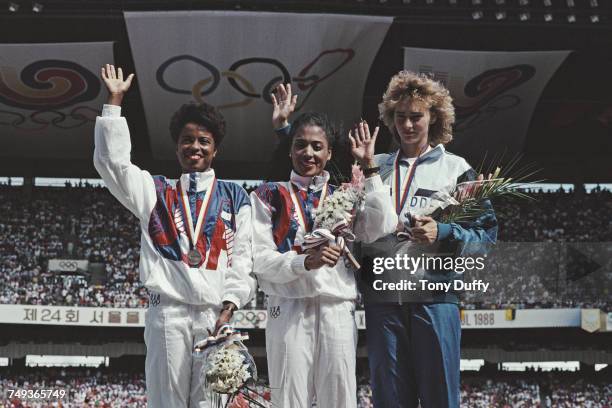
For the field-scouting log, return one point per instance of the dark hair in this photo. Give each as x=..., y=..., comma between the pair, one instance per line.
x=315, y=119
x=202, y=114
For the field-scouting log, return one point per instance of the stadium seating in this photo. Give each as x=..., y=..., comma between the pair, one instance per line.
x=103, y=387
x=88, y=223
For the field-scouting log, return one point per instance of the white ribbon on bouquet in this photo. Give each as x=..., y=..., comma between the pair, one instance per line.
x=226, y=333
x=340, y=234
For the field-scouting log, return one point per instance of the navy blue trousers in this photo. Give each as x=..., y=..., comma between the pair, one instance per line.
x=414, y=354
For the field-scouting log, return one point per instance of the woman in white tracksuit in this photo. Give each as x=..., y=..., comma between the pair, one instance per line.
x=195, y=255
x=311, y=335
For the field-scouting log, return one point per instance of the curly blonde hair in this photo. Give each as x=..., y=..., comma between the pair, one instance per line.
x=410, y=85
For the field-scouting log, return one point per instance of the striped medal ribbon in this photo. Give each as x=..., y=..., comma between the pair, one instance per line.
x=400, y=190
x=194, y=258
x=299, y=205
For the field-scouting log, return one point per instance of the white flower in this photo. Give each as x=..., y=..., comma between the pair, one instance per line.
x=228, y=371
x=340, y=206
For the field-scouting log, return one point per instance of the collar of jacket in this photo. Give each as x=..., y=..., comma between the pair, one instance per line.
x=316, y=183
x=202, y=179
x=433, y=154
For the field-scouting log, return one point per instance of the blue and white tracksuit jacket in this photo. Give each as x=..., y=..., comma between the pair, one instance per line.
x=436, y=171
x=414, y=337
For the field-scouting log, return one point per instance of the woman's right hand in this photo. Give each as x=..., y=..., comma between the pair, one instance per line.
x=327, y=254
x=116, y=85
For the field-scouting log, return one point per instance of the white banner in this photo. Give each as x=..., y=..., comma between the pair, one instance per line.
x=519, y=319
x=50, y=95
x=72, y=316
x=234, y=60
x=256, y=319
x=67, y=265
x=591, y=320
x=494, y=93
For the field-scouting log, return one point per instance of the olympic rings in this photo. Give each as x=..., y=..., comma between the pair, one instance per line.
x=159, y=75
x=286, y=77
x=232, y=76
x=42, y=119
x=16, y=122
x=68, y=265
x=250, y=318
x=206, y=86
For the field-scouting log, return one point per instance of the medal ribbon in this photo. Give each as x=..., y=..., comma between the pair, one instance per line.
x=194, y=233
x=401, y=195
x=299, y=205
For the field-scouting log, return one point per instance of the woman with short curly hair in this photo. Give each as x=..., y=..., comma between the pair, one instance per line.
x=408, y=85
x=413, y=338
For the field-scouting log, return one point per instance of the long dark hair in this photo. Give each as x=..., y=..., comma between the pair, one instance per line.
x=280, y=165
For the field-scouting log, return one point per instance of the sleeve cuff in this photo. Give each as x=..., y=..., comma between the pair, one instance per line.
x=444, y=231
x=228, y=297
x=297, y=264
x=284, y=131
x=111, y=111
x=373, y=183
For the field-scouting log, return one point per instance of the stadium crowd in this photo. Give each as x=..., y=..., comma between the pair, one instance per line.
x=82, y=388
x=581, y=393
x=561, y=216
x=555, y=389
x=105, y=388
x=86, y=222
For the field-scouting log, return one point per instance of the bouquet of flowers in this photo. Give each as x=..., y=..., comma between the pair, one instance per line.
x=467, y=201
x=228, y=369
x=343, y=203
x=334, y=216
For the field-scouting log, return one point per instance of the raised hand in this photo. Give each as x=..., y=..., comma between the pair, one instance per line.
x=284, y=105
x=116, y=85
x=362, y=144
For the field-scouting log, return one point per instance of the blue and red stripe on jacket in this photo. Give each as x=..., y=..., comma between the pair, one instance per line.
x=284, y=223
x=226, y=197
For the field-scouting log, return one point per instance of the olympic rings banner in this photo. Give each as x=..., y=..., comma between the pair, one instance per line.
x=50, y=95
x=234, y=60
x=494, y=93
x=67, y=265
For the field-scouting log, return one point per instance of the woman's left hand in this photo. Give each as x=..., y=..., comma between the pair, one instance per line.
x=425, y=230
x=362, y=144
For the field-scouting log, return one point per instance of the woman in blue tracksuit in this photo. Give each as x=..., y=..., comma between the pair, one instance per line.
x=413, y=339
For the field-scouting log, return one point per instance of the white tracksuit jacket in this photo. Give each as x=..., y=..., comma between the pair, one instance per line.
x=162, y=268
x=282, y=273
x=311, y=336
x=185, y=301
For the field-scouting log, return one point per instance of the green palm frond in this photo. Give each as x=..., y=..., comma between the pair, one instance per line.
x=507, y=181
